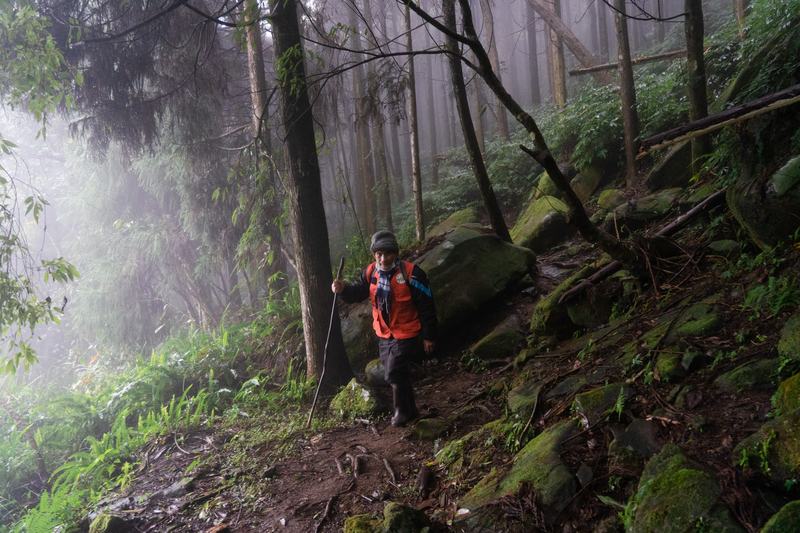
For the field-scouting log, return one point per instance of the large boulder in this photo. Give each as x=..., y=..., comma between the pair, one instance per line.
x=542, y=225
x=674, y=169
x=468, y=269
x=586, y=182
x=787, y=398
x=774, y=450
x=636, y=214
x=789, y=342
x=397, y=518
x=538, y=463
x=675, y=494
x=459, y=218
x=546, y=187
x=787, y=520
x=501, y=343
x=766, y=207
x=360, y=341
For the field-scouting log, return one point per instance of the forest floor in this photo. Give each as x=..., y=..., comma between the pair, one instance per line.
x=327, y=475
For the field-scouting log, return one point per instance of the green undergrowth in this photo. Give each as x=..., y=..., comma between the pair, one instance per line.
x=89, y=434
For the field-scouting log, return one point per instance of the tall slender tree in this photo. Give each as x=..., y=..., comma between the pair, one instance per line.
x=309, y=229
x=416, y=171
x=533, y=55
x=630, y=116
x=494, y=56
x=694, y=28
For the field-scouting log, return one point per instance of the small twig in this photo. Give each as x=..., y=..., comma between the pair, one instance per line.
x=325, y=513
x=339, y=466
x=391, y=472
x=354, y=463
x=175, y=439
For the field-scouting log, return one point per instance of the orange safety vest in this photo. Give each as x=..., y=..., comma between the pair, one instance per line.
x=404, y=322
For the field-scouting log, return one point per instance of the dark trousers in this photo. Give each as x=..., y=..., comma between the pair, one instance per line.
x=396, y=356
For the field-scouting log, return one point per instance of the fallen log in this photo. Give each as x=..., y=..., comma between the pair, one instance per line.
x=719, y=120
x=634, y=61
x=676, y=225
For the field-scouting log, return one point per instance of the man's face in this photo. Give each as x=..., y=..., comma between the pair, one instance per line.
x=385, y=260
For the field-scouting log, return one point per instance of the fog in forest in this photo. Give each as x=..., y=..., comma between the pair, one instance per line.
x=175, y=218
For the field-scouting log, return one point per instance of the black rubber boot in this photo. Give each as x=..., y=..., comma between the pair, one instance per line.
x=405, y=409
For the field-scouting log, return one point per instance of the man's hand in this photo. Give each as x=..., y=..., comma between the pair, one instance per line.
x=428, y=346
x=337, y=286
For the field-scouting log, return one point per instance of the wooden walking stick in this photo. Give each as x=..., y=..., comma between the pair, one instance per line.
x=325, y=351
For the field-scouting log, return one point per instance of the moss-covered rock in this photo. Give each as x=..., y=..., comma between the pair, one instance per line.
x=362, y=523
x=761, y=374
x=787, y=520
x=357, y=400
x=360, y=340
x=668, y=365
x=635, y=214
x=468, y=269
x=675, y=494
x=573, y=383
x=674, y=169
x=430, y=429
x=539, y=463
x=522, y=399
x=542, y=225
x=459, y=218
x=551, y=317
x=788, y=396
x=376, y=374
x=108, y=523
x=726, y=248
x=546, y=187
x=599, y=402
x=586, y=182
x=611, y=199
x=774, y=449
x=631, y=447
x=501, y=343
x=789, y=342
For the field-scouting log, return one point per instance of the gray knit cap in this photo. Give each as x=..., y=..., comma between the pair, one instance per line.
x=384, y=241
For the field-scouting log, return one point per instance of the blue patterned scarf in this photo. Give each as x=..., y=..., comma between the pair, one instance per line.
x=383, y=294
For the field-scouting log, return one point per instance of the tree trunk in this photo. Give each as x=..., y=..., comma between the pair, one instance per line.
x=471, y=140
x=630, y=118
x=659, y=27
x=431, y=118
x=581, y=53
x=260, y=105
x=740, y=17
x=397, y=159
x=416, y=172
x=476, y=103
x=488, y=21
x=602, y=30
x=309, y=231
x=559, y=66
x=363, y=142
x=533, y=55
x=696, y=78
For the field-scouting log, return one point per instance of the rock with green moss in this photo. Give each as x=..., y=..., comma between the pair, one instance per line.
x=360, y=340
x=586, y=182
x=546, y=187
x=675, y=495
x=674, y=169
x=668, y=365
x=376, y=374
x=399, y=518
x=459, y=218
x=108, y=523
x=553, y=318
x=574, y=383
x=611, y=199
x=474, y=448
x=522, y=399
x=759, y=375
x=726, y=248
x=599, y=403
x=538, y=463
x=774, y=450
x=787, y=520
x=633, y=446
x=501, y=343
x=362, y=523
x=766, y=209
x=357, y=400
x=787, y=398
x=468, y=269
x=636, y=214
x=789, y=342
x=430, y=429
x=542, y=225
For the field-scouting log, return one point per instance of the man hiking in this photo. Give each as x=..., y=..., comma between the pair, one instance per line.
x=403, y=313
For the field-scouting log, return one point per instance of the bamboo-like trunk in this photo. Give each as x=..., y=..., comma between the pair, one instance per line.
x=630, y=117
x=412, y=117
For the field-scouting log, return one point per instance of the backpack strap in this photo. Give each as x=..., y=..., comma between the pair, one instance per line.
x=405, y=274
